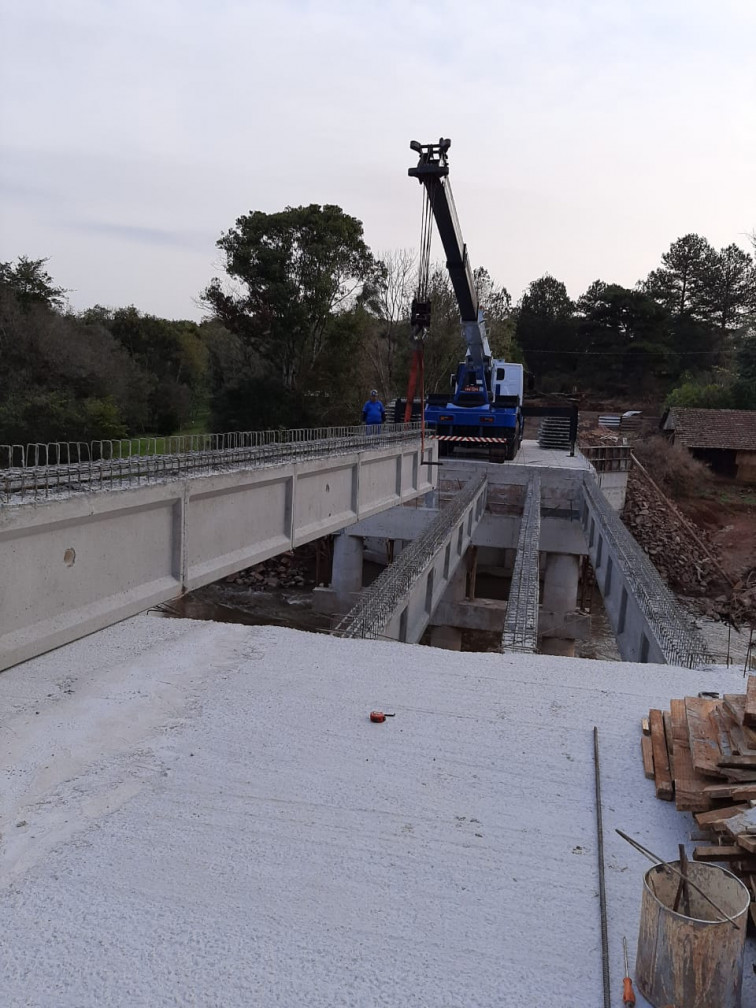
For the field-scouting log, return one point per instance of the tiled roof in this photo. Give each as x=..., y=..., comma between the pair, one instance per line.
x=713, y=428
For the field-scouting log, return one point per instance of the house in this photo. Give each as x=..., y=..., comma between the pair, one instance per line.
x=724, y=439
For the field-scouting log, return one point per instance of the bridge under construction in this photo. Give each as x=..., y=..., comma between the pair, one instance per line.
x=97, y=533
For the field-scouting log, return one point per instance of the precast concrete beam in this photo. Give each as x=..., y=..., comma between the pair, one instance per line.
x=648, y=623
x=399, y=603
x=521, y=622
x=79, y=564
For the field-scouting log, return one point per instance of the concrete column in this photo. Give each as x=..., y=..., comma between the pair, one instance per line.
x=560, y=583
x=560, y=587
x=450, y=638
x=346, y=579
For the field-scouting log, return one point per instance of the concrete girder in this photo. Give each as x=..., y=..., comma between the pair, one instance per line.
x=399, y=603
x=648, y=622
x=86, y=561
x=521, y=622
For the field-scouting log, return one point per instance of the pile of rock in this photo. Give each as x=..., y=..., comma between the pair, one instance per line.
x=683, y=563
x=287, y=570
x=681, y=559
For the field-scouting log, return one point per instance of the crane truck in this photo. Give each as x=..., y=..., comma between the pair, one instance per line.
x=484, y=407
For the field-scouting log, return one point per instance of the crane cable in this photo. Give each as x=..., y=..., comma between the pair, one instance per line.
x=417, y=368
x=426, y=234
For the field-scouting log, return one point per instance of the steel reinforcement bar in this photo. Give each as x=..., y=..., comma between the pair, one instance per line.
x=34, y=471
x=380, y=600
x=676, y=634
x=521, y=620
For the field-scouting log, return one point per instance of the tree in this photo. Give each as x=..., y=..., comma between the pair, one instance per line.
x=172, y=357
x=444, y=345
x=546, y=331
x=679, y=283
x=729, y=294
x=294, y=271
x=497, y=306
x=744, y=386
x=626, y=340
x=388, y=302
x=31, y=284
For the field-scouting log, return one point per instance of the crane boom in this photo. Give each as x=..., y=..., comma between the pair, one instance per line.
x=485, y=404
x=432, y=171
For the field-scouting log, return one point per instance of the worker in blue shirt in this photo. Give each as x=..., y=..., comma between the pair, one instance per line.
x=373, y=413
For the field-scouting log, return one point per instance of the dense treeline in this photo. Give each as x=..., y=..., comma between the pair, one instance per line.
x=308, y=319
x=95, y=375
x=686, y=333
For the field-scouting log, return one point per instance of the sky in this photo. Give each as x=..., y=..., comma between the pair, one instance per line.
x=586, y=136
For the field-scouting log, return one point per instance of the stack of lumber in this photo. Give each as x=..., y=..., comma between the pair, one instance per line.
x=701, y=754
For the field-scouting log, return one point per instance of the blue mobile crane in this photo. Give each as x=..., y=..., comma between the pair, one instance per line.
x=484, y=408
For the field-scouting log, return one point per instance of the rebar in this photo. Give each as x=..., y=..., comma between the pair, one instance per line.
x=37, y=471
x=521, y=620
x=380, y=600
x=675, y=632
x=602, y=873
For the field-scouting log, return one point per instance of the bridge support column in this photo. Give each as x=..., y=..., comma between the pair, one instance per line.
x=448, y=637
x=346, y=579
x=560, y=588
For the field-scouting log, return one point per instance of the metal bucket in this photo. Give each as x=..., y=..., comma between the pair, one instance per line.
x=695, y=959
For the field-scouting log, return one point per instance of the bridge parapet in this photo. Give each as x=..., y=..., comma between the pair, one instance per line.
x=42, y=471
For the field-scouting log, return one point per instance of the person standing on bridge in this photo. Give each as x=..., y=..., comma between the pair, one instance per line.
x=373, y=413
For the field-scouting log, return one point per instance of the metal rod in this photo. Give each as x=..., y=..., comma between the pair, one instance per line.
x=602, y=879
x=665, y=864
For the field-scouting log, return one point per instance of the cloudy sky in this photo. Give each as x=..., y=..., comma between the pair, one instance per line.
x=587, y=135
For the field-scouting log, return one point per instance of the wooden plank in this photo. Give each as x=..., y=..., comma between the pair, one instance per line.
x=741, y=762
x=742, y=823
x=667, y=718
x=719, y=852
x=689, y=785
x=647, y=751
x=662, y=775
x=735, y=704
x=749, y=716
x=718, y=724
x=742, y=739
x=645, y=726
x=737, y=775
x=735, y=792
x=704, y=747
x=748, y=842
x=719, y=815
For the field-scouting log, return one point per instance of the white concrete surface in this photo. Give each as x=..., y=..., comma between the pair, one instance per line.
x=203, y=814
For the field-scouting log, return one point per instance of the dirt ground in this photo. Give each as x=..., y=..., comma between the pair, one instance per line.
x=729, y=524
